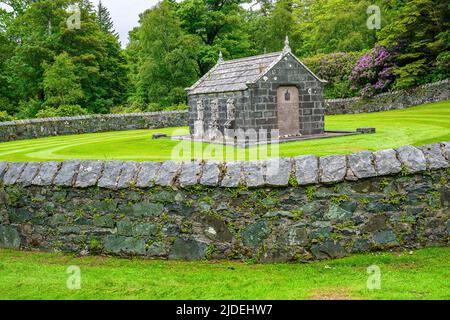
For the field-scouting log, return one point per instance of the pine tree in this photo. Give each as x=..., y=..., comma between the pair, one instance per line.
x=104, y=19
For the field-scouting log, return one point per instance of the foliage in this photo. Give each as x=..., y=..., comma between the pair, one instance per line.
x=326, y=26
x=269, y=27
x=61, y=84
x=4, y=116
x=336, y=69
x=167, y=57
x=93, y=56
x=419, y=39
x=61, y=111
x=217, y=25
x=151, y=107
x=104, y=20
x=372, y=74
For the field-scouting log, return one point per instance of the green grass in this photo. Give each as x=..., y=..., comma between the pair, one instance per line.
x=414, y=126
x=423, y=274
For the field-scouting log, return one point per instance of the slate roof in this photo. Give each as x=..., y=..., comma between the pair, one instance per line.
x=233, y=75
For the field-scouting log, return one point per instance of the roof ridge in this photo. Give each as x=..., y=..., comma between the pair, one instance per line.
x=238, y=73
x=273, y=54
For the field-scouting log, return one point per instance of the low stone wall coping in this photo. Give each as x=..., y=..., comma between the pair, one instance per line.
x=93, y=116
x=301, y=170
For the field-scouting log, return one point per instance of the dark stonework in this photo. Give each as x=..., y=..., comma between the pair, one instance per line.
x=36, y=128
x=311, y=208
x=331, y=221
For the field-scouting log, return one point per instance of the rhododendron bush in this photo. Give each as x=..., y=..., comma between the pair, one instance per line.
x=372, y=73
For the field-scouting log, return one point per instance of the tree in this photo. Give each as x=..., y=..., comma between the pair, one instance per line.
x=40, y=33
x=61, y=84
x=167, y=63
x=419, y=40
x=326, y=26
x=219, y=26
x=280, y=23
x=105, y=21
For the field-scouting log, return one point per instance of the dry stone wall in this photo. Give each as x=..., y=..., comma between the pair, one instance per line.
x=292, y=209
x=37, y=128
x=432, y=92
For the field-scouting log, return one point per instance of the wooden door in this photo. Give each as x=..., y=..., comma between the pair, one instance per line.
x=288, y=111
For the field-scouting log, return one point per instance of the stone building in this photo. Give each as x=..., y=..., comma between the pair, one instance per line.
x=269, y=91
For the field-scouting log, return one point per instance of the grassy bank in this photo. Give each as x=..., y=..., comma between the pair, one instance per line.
x=422, y=274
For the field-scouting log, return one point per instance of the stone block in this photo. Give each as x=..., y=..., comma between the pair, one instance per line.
x=434, y=156
x=254, y=173
x=13, y=172
x=306, y=169
x=168, y=173
x=210, y=173
x=233, y=174
x=147, y=174
x=3, y=168
x=124, y=245
x=187, y=249
x=29, y=173
x=361, y=164
x=278, y=171
x=253, y=235
x=386, y=162
x=332, y=168
x=9, y=237
x=89, y=173
x=46, y=174
x=190, y=173
x=446, y=150
x=412, y=158
x=110, y=174
x=67, y=173
x=128, y=175
x=328, y=250
x=385, y=237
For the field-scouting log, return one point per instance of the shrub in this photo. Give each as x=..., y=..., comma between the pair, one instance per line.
x=136, y=108
x=4, y=116
x=336, y=69
x=373, y=73
x=28, y=109
x=62, y=111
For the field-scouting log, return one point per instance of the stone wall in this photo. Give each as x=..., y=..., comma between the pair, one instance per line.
x=36, y=128
x=294, y=209
x=432, y=92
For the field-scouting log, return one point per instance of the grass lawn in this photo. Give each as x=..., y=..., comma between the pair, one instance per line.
x=414, y=126
x=422, y=274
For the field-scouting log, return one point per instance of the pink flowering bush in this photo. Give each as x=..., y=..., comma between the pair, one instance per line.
x=372, y=73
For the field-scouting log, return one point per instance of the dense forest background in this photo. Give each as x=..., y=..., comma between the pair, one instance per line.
x=48, y=68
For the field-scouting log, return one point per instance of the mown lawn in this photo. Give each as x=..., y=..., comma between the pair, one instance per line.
x=414, y=126
x=422, y=274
